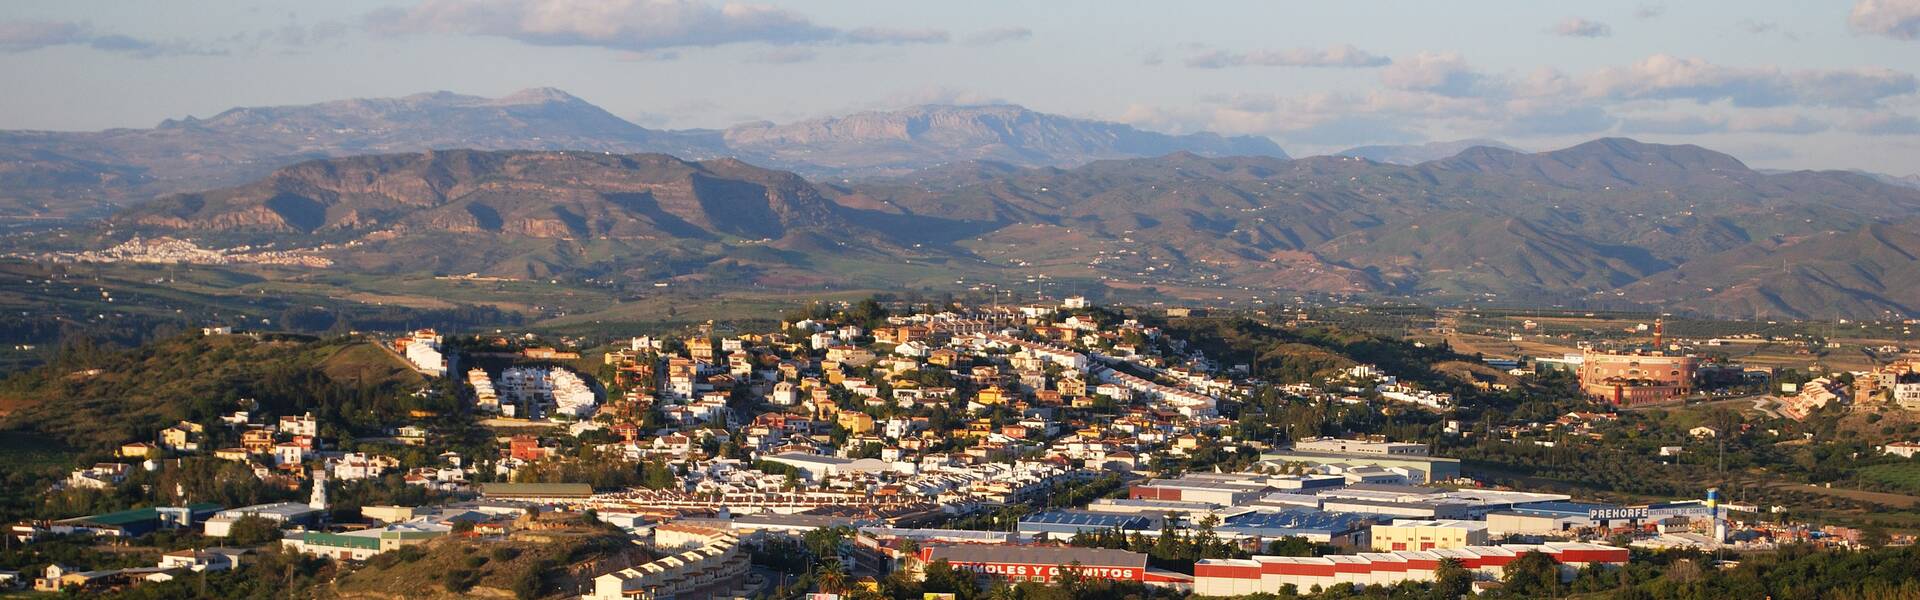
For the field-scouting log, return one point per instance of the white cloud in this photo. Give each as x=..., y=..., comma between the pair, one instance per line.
x=26, y=36
x=1898, y=19
x=1649, y=11
x=634, y=25
x=1673, y=124
x=1580, y=27
x=1881, y=123
x=878, y=35
x=1343, y=55
x=938, y=95
x=23, y=36
x=1446, y=74
x=1439, y=94
x=1777, y=122
x=1664, y=77
x=999, y=35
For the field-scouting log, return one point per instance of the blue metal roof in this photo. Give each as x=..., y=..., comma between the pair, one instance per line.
x=1086, y=520
x=1559, y=507
x=1295, y=520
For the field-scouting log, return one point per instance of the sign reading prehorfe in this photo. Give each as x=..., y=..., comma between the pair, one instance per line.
x=1616, y=514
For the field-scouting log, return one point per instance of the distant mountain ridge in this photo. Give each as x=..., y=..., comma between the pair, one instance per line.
x=921, y=136
x=524, y=213
x=1414, y=154
x=1600, y=222
x=1608, y=222
x=46, y=172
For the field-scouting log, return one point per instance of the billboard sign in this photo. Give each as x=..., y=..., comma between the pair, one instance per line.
x=1616, y=514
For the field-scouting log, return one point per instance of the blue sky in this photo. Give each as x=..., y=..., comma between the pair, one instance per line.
x=1806, y=83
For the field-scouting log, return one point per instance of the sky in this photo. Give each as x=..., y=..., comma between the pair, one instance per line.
x=1777, y=83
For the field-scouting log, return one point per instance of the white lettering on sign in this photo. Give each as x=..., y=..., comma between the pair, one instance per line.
x=1047, y=571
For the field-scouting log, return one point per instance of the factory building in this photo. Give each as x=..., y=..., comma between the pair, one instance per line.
x=1224, y=493
x=1267, y=574
x=1063, y=524
x=1409, y=534
x=1041, y=563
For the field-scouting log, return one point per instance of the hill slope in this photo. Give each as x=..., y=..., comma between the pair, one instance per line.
x=528, y=214
x=1603, y=223
x=98, y=402
x=1563, y=226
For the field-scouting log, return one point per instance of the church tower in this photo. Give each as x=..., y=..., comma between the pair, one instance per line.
x=319, y=499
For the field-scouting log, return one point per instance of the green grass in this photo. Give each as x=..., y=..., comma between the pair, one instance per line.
x=1904, y=476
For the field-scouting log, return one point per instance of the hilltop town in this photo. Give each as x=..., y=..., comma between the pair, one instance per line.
x=903, y=446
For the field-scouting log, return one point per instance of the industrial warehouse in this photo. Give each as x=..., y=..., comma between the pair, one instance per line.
x=1269, y=574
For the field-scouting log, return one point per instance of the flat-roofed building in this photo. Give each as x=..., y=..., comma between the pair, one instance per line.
x=282, y=513
x=1269, y=574
x=1344, y=529
x=535, y=491
x=1375, y=445
x=1196, y=489
x=1041, y=563
x=1063, y=524
x=1419, y=468
x=1543, y=518
x=1409, y=534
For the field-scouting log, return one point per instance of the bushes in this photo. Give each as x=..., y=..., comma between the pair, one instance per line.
x=460, y=580
x=253, y=531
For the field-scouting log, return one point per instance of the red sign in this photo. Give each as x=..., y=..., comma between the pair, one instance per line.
x=1050, y=571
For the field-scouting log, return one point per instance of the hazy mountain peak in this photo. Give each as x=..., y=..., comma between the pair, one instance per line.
x=1686, y=156
x=1413, y=154
x=917, y=137
x=538, y=95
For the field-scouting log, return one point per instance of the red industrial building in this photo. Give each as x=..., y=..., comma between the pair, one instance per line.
x=1236, y=577
x=1044, y=563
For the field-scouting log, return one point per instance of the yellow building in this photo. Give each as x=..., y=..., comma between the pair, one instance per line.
x=991, y=396
x=855, y=422
x=1410, y=534
x=175, y=437
x=700, y=348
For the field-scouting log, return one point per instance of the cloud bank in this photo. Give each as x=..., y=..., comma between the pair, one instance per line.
x=1342, y=56
x=27, y=36
x=631, y=25
x=1897, y=19
x=1580, y=27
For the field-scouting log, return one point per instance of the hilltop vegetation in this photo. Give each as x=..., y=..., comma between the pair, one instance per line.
x=529, y=565
x=95, y=399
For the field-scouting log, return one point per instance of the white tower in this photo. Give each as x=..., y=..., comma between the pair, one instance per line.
x=319, y=499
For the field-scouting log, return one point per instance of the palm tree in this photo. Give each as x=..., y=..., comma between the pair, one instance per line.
x=832, y=576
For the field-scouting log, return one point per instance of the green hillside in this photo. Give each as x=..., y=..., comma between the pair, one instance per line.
x=97, y=399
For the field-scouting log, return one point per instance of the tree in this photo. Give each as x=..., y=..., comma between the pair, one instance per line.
x=1452, y=579
x=253, y=530
x=832, y=576
x=1532, y=575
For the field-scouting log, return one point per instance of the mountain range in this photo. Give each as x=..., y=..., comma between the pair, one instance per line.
x=1413, y=154
x=1604, y=223
x=57, y=173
